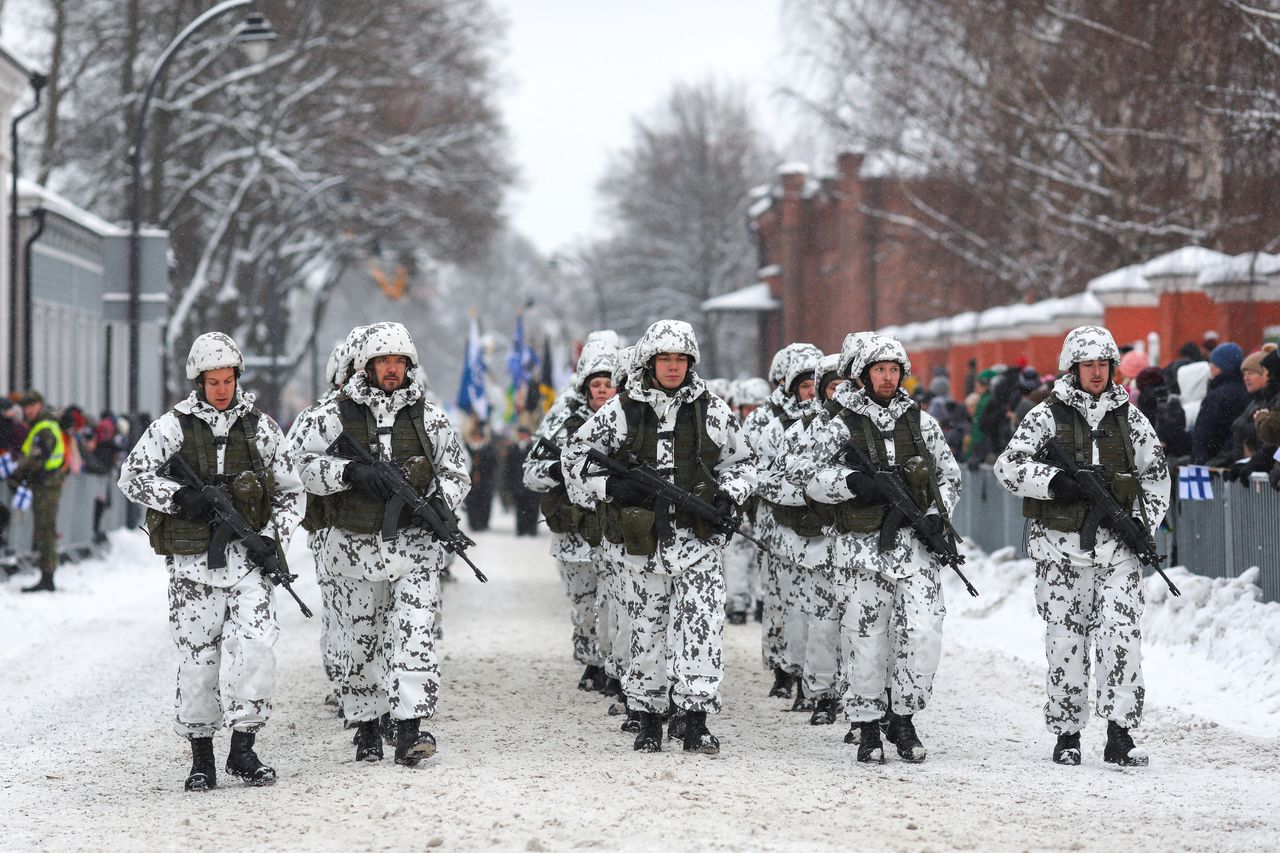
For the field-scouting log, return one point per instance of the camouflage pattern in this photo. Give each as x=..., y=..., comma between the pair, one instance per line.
x=382, y=339
x=691, y=609
x=873, y=348
x=580, y=581
x=739, y=563
x=1087, y=343
x=211, y=351
x=770, y=590
x=613, y=625
x=1092, y=596
x=851, y=352
x=209, y=609
x=750, y=392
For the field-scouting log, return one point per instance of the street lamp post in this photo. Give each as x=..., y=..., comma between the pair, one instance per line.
x=38, y=82
x=255, y=35
x=277, y=296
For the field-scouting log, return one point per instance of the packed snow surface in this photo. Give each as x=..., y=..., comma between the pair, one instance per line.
x=527, y=762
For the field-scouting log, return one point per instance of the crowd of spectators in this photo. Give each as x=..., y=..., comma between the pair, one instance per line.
x=1214, y=404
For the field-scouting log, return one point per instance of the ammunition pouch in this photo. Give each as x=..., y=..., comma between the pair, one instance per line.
x=638, y=536
x=172, y=535
x=316, y=516
x=252, y=497
x=701, y=528
x=557, y=510
x=588, y=524
x=800, y=519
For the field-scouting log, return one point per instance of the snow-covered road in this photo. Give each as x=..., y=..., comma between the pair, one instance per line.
x=88, y=759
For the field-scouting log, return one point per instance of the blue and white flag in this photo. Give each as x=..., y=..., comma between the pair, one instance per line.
x=22, y=498
x=1194, y=483
x=471, y=393
x=7, y=465
x=522, y=361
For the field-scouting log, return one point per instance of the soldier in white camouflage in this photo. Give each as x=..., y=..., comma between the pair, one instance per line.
x=385, y=592
x=229, y=443
x=891, y=627
x=1090, y=599
x=665, y=418
x=747, y=593
x=575, y=532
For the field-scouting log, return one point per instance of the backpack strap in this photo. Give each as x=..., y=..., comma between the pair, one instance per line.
x=191, y=422
x=249, y=424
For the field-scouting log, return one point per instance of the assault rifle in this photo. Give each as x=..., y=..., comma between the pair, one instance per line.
x=653, y=483
x=903, y=510
x=547, y=448
x=232, y=526
x=1104, y=509
x=437, y=520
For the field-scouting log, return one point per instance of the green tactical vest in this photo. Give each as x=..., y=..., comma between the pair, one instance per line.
x=695, y=456
x=351, y=509
x=562, y=514
x=251, y=485
x=1115, y=455
x=856, y=516
x=801, y=519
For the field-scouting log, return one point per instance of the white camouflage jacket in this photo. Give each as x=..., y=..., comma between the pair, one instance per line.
x=569, y=547
x=854, y=551
x=774, y=445
x=1018, y=472
x=606, y=431
x=140, y=482
x=366, y=555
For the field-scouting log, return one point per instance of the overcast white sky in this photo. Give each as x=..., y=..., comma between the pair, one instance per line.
x=578, y=71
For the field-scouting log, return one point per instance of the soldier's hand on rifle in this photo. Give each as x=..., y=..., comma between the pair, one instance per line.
x=725, y=506
x=555, y=472
x=624, y=492
x=1063, y=488
x=193, y=503
x=863, y=486
x=368, y=480
x=933, y=523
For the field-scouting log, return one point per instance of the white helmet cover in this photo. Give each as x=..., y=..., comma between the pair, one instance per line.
x=878, y=348
x=803, y=359
x=778, y=367
x=850, y=350
x=827, y=364
x=623, y=365
x=667, y=336
x=719, y=386
x=751, y=392
x=384, y=339
x=1087, y=343
x=211, y=351
x=602, y=361
x=335, y=369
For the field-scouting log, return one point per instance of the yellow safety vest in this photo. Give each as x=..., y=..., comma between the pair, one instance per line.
x=54, y=462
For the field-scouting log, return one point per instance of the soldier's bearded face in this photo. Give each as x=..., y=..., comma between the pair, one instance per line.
x=600, y=391
x=390, y=371
x=220, y=387
x=670, y=369
x=885, y=377
x=1095, y=376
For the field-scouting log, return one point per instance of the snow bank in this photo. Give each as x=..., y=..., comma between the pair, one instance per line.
x=1211, y=652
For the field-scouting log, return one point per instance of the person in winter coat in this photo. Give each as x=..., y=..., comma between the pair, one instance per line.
x=228, y=442
x=575, y=532
x=385, y=592
x=523, y=499
x=484, y=474
x=950, y=414
x=1251, y=454
x=1226, y=399
x=1267, y=420
x=1164, y=411
x=41, y=468
x=892, y=607
x=1088, y=597
x=665, y=418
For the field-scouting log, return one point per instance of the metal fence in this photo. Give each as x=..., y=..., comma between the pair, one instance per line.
x=75, y=519
x=1219, y=538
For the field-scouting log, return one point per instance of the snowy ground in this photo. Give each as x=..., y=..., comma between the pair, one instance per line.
x=527, y=762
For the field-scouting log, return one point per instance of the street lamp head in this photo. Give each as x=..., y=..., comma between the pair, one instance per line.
x=37, y=80
x=255, y=36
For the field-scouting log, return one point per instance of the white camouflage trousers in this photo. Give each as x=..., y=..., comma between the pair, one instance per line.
x=677, y=623
x=204, y=620
x=613, y=620
x=739, y=557
x=324, y=581
x=771, y=633
x=385, y=646
x=1083, y=606
x=823, y=608
x=890, y=638
x=580, y=583
x=791, y=582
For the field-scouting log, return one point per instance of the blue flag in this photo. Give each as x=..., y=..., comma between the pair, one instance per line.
x=471, y=394
x=23, y=498
x=522, y=361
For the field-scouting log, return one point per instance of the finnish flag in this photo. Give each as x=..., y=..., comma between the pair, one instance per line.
x=7, y=465
x=22, y=498
x=1194, y=483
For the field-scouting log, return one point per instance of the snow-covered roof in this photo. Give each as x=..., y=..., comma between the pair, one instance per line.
x=995, y=318
x=1189, y=260
x=760, y=206
x=32, y=195
x=766, y=272
x=1079, y=305
x=1123, y=279
x=1249, y=266
x=793, y=168
x=962, y=323
x=753, y=297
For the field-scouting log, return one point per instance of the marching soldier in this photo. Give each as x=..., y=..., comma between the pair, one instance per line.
x=385, y=592
x=667, y=419
x=1088, y=596
x=227, y=442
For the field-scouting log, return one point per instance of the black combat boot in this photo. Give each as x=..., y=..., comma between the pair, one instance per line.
x=633, y=723
x=413, y=745
x=243, y=762
x=824, y=713
x=204, y=771
x=676, y=724
x=368, y=741
x=1067, y=750
x=804, y=702
x=736, y=617
x=870, y=747
x=612, y=686
x=650, y=737
x=759, y=611
x=781, y=688
x=1120, y=749
x=592, y=678
x=45, y=584
x=903, y=735
x=854, y=735
x=387, y=728
x=696, y=736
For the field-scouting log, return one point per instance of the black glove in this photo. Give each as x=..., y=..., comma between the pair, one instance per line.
x=933, y=523
x=1063, y=488
x=863, y=486
x=368, y=480
x=725, y=505
x=193, y=503
x=1236, y=471
x=1274, y=477
x=555, y=472
x=624, y=492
